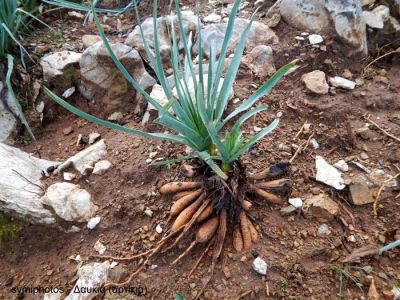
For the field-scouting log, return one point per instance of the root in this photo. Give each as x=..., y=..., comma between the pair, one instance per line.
x=213, y=206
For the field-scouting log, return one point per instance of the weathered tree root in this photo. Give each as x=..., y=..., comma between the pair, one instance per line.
x=215, y=208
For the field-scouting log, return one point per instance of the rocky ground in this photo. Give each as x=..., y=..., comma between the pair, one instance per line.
x=340, y=127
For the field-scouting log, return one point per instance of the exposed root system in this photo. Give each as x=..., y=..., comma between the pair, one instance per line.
x=215, y=208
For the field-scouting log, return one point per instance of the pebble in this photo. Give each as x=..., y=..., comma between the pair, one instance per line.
x=315, y=39
x=153, y=154
x=341, y=165
x=260, y=266
x=79, y=140
x=148, y=212
x=93, y=222
x=351, y=238
x=101, y=167
x=68, y=92
x=69, y=176
x=149, y=160
x=159, y=229
x=116, y=117
x=343, y=83
x=315, y=81
x=300, y=38
x=288, y=210
x=314, y=143
x=94, y=137
x=364, y=155
x=99, y=247
x=68, y=130
x=296, y=202
x=323, y=229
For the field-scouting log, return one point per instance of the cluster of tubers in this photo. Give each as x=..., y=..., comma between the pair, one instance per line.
x=191, y=206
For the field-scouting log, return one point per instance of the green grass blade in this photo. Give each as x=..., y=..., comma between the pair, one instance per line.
x=208, y=159
x=254, y=140
x=85, y=8
x=74, y=110
x=171, y=161
x=261, y=91
x=231, y=72
x=224, y=49
x=10, y=68
x=246, y=116
x=35, y=18
x=11, y=35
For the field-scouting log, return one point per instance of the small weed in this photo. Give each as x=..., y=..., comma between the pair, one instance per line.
x=8, y=230
x=344, y=274
x=282, y=284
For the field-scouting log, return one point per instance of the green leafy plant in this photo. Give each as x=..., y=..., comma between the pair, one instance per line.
x=7, y=229
x=197, y=119
x=15, y=17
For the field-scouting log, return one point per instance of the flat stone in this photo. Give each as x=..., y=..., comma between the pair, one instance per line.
x=288, y=210
x=341, y=165
x=296, y=202
x=260, y=61
x=58, y=64
x=116, y=117
x=328, y=174
x=315, y=81
x=93, y=222
x=94, y=137
x=321, y=207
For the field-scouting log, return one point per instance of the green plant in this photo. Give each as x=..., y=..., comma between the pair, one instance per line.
x=344, y=273
x=198, y=121
x=15, y=19
x=7, y=229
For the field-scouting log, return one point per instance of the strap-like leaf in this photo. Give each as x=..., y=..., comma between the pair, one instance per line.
x=208, y=159
x=89, y=117
x=10, y=68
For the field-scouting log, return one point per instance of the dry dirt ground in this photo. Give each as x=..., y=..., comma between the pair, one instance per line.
x=301, y=264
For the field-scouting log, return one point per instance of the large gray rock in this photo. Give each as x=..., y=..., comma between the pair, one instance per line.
x=260, y=61
x=8, y=122
x=342, y=18
x=69, y=202
x=260, y=34
x=61, y=68
x=102, y=81
x=134, y=39
x=20, y=185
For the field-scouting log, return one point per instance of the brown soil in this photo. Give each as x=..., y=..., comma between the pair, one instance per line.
x=301, y=264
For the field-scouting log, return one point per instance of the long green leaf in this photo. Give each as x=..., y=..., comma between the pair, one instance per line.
x=171, y=161
x=89, y=117
x=10, y=68
x=254, y=140
x=208, y=159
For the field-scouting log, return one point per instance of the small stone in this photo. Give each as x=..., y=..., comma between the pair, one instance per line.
x=94, y=137
x=347, y=74
x=286, y=211
x=148, y=212
x=89, y=40
x=314, y=143
x=296, y=202
x=341, y=82
x=341, y=165
x=321, y=207
x=260, y=266
x=68, y=92
x=69, y=176
x=323, y=230
x=328, y=174
x=299, y=38
x=93, y=222
x=101, y=167
x=315, y=81
x=315, y=39
x=159, y=229
x=243, y=258
x=360, y=192
x=79, y=140
x=212, y=18
x=116, y=117
x=68, y=130
x=149, y=160
x=351, y=238
x=99, y=247
x=364, y=156
x=152, y=267
x=381, y=238
x=74, y=229
x=188, y=170
x=153, y=154
x=113, y=264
